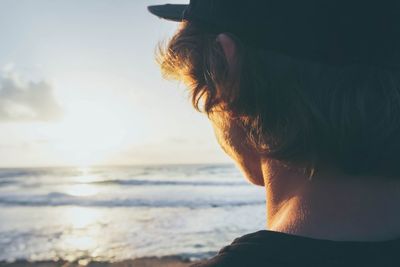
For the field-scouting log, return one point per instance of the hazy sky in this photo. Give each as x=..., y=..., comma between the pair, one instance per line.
x=79, y=85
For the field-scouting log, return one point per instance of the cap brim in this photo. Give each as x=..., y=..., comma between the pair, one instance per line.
x=168, y=11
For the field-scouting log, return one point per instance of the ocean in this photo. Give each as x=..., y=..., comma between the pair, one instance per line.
x=118, y=213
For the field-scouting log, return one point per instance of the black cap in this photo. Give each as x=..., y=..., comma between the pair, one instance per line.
x=336, y=32
x=168, y=11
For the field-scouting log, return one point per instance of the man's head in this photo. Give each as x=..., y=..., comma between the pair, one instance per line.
x=302, y=112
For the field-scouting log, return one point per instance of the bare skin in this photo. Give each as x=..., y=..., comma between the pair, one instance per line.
x=331, y=205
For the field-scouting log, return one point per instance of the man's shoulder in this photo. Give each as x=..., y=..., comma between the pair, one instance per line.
x=243, y=251
x=269, y=248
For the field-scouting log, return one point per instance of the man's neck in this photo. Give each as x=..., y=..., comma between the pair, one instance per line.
x=328, y=206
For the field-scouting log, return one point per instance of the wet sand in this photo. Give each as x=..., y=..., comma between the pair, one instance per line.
x=171, y=261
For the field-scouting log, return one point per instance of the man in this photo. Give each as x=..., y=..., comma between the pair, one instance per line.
x=305, y=98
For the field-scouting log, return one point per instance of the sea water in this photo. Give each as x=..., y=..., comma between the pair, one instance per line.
x=117, y=213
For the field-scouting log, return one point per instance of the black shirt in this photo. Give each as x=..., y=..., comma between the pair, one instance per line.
x=274, y=249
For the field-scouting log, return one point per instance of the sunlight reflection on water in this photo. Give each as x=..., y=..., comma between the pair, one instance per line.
x=80, y=217
x=82, y=190
x=85, y=176
x=83, y=233
x=80, y=242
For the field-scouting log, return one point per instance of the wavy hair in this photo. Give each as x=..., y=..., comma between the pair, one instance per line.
x=293, y=110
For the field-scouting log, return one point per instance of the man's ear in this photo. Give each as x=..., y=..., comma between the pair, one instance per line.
x=229, y=48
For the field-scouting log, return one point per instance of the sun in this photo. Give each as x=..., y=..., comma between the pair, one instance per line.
x=89, y=132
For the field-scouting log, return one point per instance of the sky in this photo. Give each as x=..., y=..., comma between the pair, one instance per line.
x=79, y=85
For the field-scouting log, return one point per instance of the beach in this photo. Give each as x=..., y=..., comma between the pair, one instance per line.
x=162, y=215
x=171, y=261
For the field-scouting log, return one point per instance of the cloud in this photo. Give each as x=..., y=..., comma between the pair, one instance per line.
x=26, y=101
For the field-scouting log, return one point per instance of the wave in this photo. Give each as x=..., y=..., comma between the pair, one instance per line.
x=7, y=182
x=120, y=182
x=60, y=199
x=14, y=173
x=167, y=182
